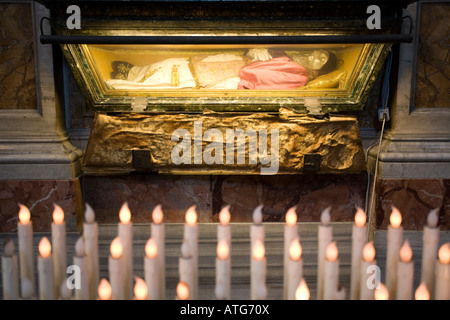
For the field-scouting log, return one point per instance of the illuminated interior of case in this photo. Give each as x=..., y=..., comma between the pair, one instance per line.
x=236, y=68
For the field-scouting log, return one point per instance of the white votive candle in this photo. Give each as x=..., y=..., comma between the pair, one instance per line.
x=10, y=277
x=59, y=247
x=191, y=237
x=157, y=230
x=290, y=234
x=115, y=267
x=224, y=229
x=45, y=271
x=27, y=290
x=394, y=242
x=442, y=284
x=366, y=291
x=341, y=293
x=258, y=290
x=80, y=260
x=257, y=228
x=331, y=272
x=295, y=268
x=186, y=267
x=223, y=271
x=430, y=245
x=151, y=270
x=126, y=238
x=325, y=235
x=90, y=236
x=405, y=273
x=65, y=292
x=359, y=232
x=26, y=257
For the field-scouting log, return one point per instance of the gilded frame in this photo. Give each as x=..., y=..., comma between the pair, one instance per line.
x=100, y=98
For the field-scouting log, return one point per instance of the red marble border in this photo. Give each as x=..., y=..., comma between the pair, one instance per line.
x=311, y=193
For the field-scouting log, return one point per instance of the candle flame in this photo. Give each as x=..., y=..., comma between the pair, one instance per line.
x=157, y=214
x=151, y=249
x=325, y=216
x=140, y=289
x=295, y=250
x=332, y=252
x=257, y=214
x=223, y=250
x=291, y=217
x=89, y=215
x=45, y=248
x=258, y=250
x=58, y=214
x=224, y=216
x=432, y=219
x=406, y=252
x=422, y=292
x=369, y=252
x=360, y=217
x=191, y=216
x=116, y=248
x=125, y=214
x=182, y=290
x=395, y=218
x=302, y=292
x=24, y=214
x=444, y=253
x=104, y=290
x=381, y=293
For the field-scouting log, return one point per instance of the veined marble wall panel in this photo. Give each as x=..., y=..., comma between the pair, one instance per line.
x=433, y=57
x=415, y=198
x=17, y=63
x=311, y=194
x=39, y=196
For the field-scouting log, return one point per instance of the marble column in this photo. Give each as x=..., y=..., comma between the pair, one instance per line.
x=414, y=153
x=34, y=146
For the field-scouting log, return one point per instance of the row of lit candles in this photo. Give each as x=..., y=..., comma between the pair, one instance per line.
x=435, y=279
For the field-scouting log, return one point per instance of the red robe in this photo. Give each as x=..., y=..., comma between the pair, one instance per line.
x=278, y=73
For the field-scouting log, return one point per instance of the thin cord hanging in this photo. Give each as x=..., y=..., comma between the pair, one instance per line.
x=383, y=114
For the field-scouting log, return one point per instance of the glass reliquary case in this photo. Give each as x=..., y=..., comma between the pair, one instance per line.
x=140, y=78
